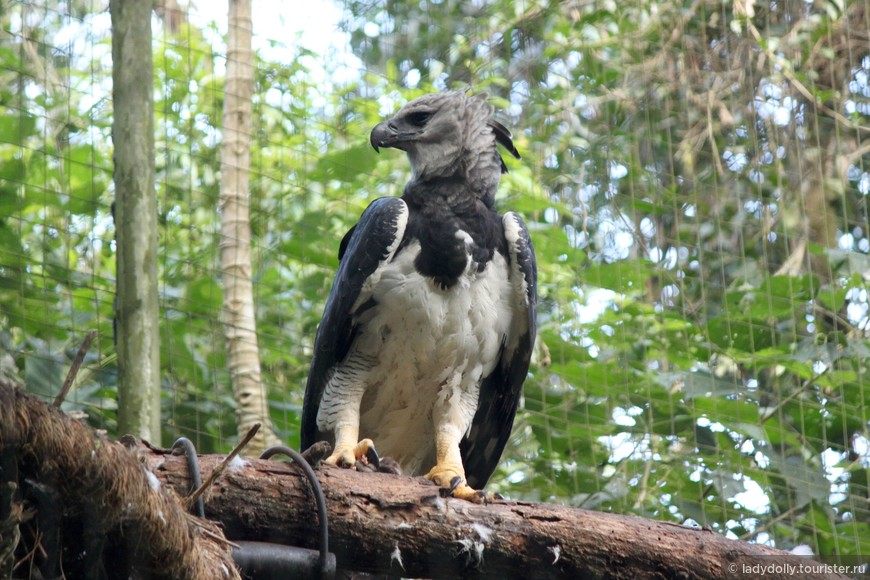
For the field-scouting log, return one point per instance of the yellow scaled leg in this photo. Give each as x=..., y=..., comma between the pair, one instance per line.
x=449, y=474
x=348, y=450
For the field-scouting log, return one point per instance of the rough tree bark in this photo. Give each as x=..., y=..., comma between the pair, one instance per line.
x=240, y=326
x=135, y=211
x=400, y=525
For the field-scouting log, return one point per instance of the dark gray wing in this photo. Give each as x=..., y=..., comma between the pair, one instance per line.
x=366, y=246
x=500, y=392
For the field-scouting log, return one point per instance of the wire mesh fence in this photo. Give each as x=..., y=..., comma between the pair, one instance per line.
x=695, y=177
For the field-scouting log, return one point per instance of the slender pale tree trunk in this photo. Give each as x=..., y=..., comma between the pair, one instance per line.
x=240, y=327
x=138, y=332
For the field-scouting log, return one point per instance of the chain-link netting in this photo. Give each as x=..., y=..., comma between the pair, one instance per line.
x=695, y=178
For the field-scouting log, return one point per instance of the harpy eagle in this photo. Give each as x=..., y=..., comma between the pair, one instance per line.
x=427, y=333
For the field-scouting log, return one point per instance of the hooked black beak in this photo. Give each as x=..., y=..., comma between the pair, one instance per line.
x=383, y=135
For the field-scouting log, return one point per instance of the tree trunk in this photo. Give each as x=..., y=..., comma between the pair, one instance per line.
x=240, y=327
x=135, y=212
x=401, y=526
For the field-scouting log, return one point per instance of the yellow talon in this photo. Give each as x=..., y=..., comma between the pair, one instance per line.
x=346, y=456
x=451, y=480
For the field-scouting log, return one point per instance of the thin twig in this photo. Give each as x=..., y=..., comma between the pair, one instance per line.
x=220, y=468
x=217, y=537
x=149, y=445
x=74, y=369
x=806, y=384
x=854, y=156
x=767, y=525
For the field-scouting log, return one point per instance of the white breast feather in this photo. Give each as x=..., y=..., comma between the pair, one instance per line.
x=433, y=346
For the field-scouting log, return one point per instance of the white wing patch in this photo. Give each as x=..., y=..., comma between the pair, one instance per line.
x=346, y=386
x=520, y=325
x=372, y=281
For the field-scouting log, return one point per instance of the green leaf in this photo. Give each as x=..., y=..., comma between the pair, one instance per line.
x=806, y=481
x=43, y=373
x=204, y=296
x=623, y=276
x=10, y=204
x=832, y=296
x=346, y=164
x=850, y=262
x=17, y=128
x=780, y=297
x=705, y=384
x=13, y=169
x=88, y=179
x=740, y=333
x=731, y=412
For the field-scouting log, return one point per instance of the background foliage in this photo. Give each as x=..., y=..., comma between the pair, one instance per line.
x=696, y=176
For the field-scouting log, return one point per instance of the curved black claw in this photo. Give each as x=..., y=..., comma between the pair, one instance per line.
x=369, y=461
x=372, y=457
x=448, y=491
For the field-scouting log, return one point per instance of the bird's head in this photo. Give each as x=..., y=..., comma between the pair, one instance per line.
x=446, y=135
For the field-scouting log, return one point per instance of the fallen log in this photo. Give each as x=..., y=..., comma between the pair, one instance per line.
x=397, y=525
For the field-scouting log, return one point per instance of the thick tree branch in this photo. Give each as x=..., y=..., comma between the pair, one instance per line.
x=400, y=525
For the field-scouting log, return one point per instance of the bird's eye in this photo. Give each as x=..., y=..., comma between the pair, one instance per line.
x=419, y=118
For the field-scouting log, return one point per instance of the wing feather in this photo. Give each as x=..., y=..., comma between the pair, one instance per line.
x=500, y=392
x=367, y=245
x=503, y=138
